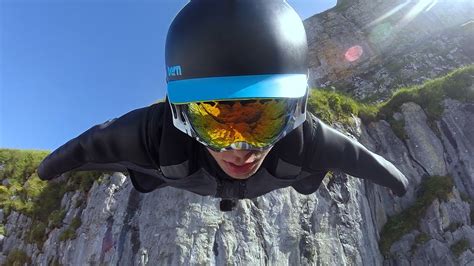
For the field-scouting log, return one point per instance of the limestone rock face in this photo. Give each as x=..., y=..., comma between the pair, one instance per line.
x=422, y=142
x=170, y=226
x=457, y=134
x=340, y=224
x=370, y=48
x=427, y=152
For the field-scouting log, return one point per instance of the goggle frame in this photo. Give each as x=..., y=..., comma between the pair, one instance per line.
x=182, y=122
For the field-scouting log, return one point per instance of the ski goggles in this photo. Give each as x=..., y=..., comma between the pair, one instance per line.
x=240, y=124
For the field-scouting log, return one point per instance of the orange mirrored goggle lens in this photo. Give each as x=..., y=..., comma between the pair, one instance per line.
x=255, y=122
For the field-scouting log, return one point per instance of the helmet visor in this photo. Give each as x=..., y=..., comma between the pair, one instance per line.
x=241, y=124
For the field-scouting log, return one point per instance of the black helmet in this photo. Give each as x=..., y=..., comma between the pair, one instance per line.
x=236, y=49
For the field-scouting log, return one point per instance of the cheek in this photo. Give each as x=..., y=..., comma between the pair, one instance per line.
x=225, y=155
x=220, y=156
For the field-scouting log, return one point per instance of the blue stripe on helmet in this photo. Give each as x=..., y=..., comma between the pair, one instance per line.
x=237, y=87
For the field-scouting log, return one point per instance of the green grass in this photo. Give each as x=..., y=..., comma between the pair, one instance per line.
x=331, y=106
x=459, y=247
x=2, y=229
x=433, y=187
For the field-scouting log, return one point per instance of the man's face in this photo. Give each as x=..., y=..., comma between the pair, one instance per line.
x=239, y=164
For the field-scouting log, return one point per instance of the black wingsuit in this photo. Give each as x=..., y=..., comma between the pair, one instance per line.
x=145, y=143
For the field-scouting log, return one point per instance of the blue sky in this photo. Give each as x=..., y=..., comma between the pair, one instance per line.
x=68, y=65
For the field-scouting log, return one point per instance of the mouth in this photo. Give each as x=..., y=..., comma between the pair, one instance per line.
x=240, y=169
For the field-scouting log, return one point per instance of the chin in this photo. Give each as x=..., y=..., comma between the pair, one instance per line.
x=243, y=176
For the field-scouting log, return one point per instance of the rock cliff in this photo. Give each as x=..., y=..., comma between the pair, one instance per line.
x=340, y=224
x=348, y=221
x=372, y=47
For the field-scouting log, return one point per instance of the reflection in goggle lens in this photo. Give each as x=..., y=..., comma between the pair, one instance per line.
x=255, y=122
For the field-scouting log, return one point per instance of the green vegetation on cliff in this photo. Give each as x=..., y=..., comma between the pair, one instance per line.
x=70, y=232
x=21, y=190
x=459, y=247
x=332, y=106
x=17, y=257
x=435, y=187
x=18, y=188
x=422, y=238
x=456, y=85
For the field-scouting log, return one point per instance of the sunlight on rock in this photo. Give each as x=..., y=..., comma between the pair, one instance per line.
x=389, y=13
x=415, y=10
x=421, y=6
x=433, y=3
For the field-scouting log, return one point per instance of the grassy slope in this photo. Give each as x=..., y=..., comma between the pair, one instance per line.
x=330, y=105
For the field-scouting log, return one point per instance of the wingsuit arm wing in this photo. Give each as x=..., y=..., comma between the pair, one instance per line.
x=334, y=150
x=120, y=144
